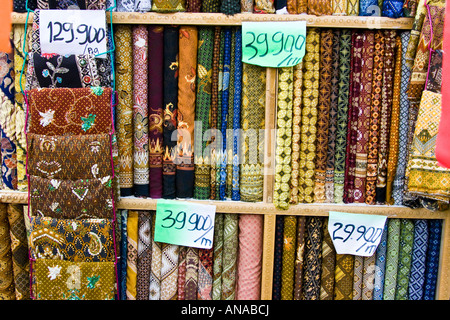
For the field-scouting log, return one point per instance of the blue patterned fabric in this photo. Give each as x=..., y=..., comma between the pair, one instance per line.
x=224, y=112
x=122, y=270
x=419, y=254
x=369, y=8
x=235, y=194
x=380, y=265
x=432, y=262
x=392, y=8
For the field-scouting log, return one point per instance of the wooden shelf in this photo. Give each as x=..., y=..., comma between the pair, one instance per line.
x=192, y=18
x=240, y=207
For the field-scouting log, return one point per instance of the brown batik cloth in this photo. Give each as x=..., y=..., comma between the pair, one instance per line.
x=69, y=156
x=62, y=111
x=71, y=198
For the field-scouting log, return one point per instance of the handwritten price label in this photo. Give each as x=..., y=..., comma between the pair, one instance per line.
x=273, y=44
x=356, y=234
x=185, y=224
x=73, y=32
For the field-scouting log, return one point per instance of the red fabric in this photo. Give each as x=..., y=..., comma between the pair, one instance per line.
x=443, y=137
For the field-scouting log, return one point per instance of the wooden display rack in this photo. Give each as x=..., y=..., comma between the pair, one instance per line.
x=266, y=207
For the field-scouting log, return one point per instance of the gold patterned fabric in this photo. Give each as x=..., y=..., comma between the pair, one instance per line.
x=328, y=265
x=6, y=265
x=124, y=107
x=353, y=8
x=311, y=76
x=132, y=254
x=284, y=138
x=288, y=260
x=66, y=280
x=320, y=7
x=340, y=7
x=251, y=181
x=426, y=177
x=343, y=289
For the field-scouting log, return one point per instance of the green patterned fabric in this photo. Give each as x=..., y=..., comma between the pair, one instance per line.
x=202, y=185
x=405, y=258
x=218, y=257
x=230, y=248
x=392, y=254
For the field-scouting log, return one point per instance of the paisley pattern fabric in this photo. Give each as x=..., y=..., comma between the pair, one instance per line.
x=76, y=111
x=71, y=198
x=69, y=156
x=67, y=280
x=80, y=240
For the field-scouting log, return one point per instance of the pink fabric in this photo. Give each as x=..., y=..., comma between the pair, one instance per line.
x=251, y=228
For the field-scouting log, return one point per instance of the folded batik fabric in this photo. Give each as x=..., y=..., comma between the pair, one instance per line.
x=81, y=198
x=65, y=280
x=72, y=4
x=62, y=71
x=69, y=156
x=426, y=177
x=62, y=111
x=87, y=240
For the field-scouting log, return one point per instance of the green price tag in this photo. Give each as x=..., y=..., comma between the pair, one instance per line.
x=184, y=223
x=273, y=44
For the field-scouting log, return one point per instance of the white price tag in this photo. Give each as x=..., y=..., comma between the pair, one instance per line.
x=184, y=223
x=73, y=32
x=356, y=234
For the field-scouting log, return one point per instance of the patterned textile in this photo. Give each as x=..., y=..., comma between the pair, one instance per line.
x=392, y=8
x=170, y=110
x=230, y=249
x=66, y=280
x=20, y=5
x=410, y=8
x=340, y=7
x=80, y=240
x=369, y=8
x=236, y=124
x=358, y=277
x=144, y=255
x=194, y=5
x=253, y=106
x=187, y=72
x=19, y=251
x=248, y=272
x=352, y=130
x=328, y=265
x=386, y=104
x=278, y=258
x=399, y=180
x=230, y=7
x=426, y=177
x=218, y=257
x=343, y=277
x=345, y=55
x=168, y=6
x=7, y=286
x=299, y=255
x=124, y=107
x=418, y=260
x=380, y=266
x=432, y=260
x=431, y=36
x=375, y=114
x=353, y=8
x=62, y=111
x=202, y=187
x=288, y=258
x=141, y=164
x=320, y=7
x=311, y=63
x=392, y=254
x=332, y=129
x=156, y=109
x=434, y=80
x=296, y=121
x=368, y=279
x=313, y=258
x=395, y=123
x=323, y=113
x=72, y=4
x=413, y=41
x=404, y=259
x=53, y=71
x=230, y=114
x=205, y=274
x=210, y=6
x=69, y=156
x=125, y=5
x=191, y=284
x=264, y=6
x=122, y=285
x=246, y=6
x=154, y=269
x=364, y=115
x=132, y=254
x=181, y=273
x=297, y=6
x=143, y=5
x=283, y=150
x=56, y=198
